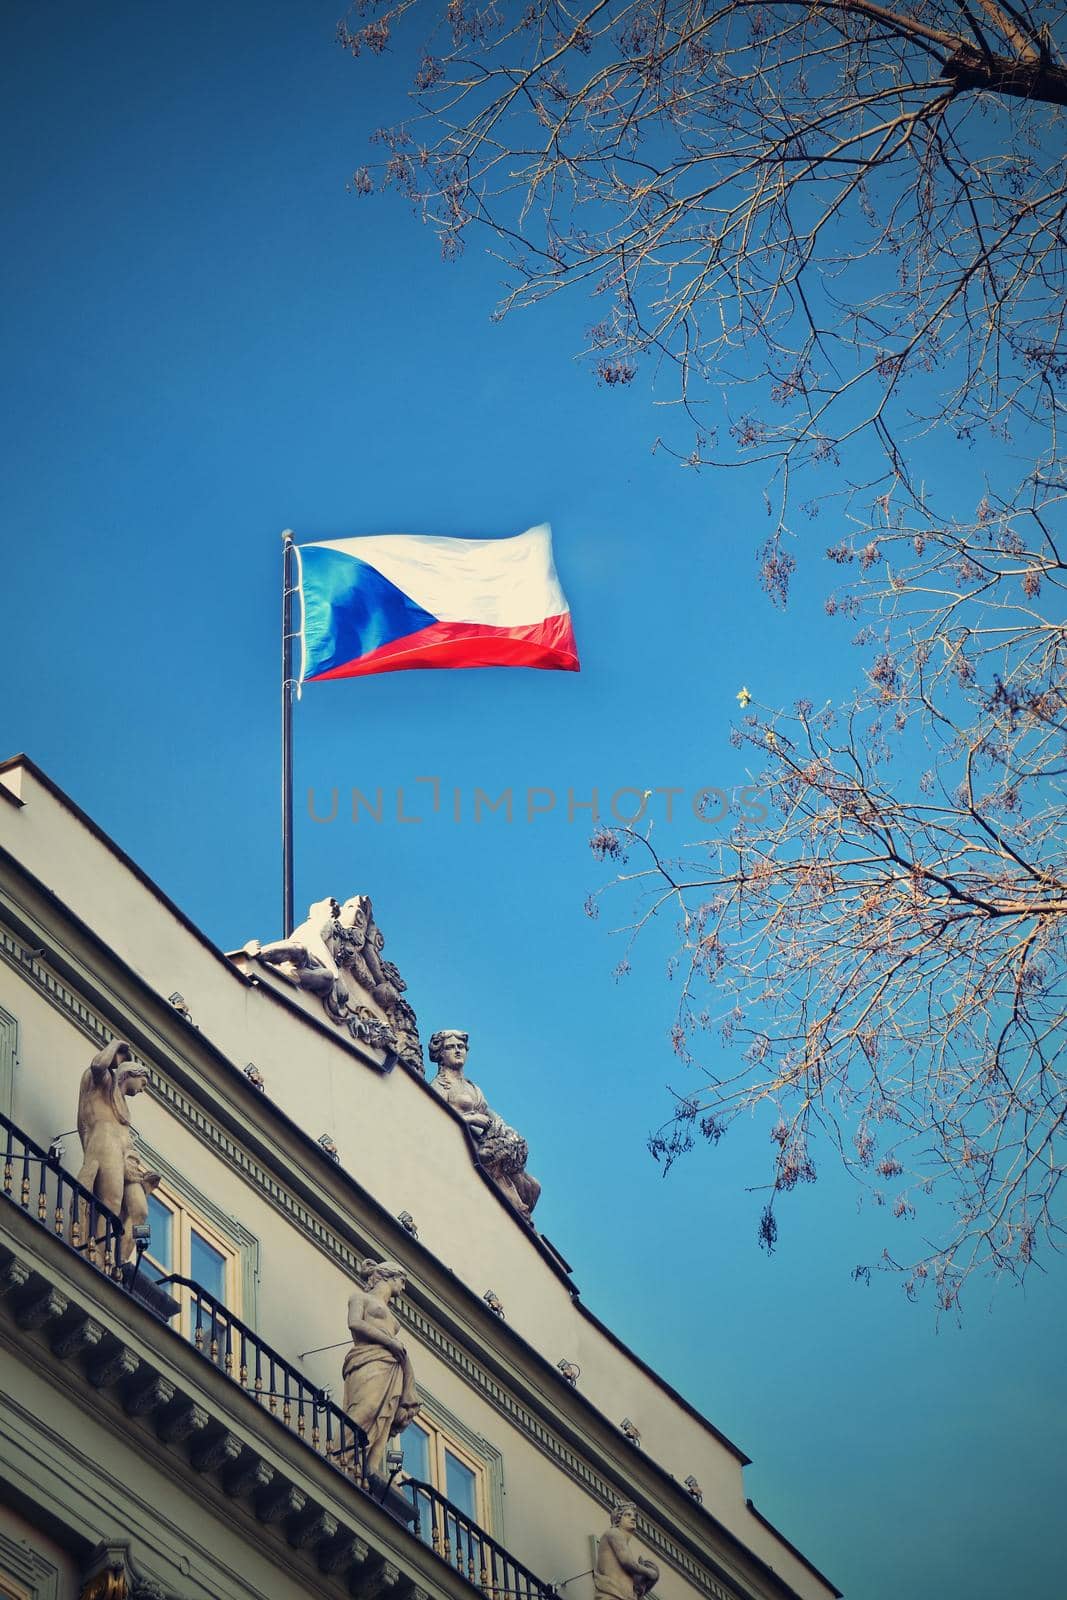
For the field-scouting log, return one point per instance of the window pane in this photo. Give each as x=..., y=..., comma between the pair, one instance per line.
x=207, y=1266
x=415, y=1443
x=160, y=1220
x=460, y=1485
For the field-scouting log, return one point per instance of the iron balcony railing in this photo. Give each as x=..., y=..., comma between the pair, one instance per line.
x=35, y=1181
x=74, y=1215
x=228, y=1343
x=457, y=1539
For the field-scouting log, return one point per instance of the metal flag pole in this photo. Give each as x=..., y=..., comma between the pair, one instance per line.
x=287, y=733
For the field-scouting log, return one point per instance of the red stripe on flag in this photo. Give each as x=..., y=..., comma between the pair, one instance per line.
x=549, y=645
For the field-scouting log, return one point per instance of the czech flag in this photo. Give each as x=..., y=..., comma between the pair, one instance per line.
x=389, y=603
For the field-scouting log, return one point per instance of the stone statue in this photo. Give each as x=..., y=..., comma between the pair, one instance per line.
x=336, y=943
x=104, y=1122
x=501, y=1151
x=137, y=1186
x=620, y=1573
x=379, y=1385
x=307, y=956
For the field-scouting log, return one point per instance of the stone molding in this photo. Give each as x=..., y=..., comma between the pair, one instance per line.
x=482, y=1449
x=27, y=963
x=30, y=1569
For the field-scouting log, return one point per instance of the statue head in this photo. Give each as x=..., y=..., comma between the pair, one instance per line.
x=354, y=916
x=113, y=1055
x=371, y=1273
x=625, y=1516
x=122, y=1080
x=320, y=911
x=448, y=1049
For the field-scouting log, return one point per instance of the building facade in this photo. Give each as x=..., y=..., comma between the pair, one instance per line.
x=182, y=1413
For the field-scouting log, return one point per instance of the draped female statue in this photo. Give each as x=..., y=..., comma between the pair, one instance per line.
x=501, y=1150
x=379, y=1386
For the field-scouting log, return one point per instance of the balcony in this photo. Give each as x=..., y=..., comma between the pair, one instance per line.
x=47, y=1220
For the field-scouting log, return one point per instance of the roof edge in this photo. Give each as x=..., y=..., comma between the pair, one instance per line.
x=791, y=1547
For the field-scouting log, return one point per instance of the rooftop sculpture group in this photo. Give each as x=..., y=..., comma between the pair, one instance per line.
x=338, y=946
x=336, y=954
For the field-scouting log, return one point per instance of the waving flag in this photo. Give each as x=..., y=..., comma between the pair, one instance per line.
x=392, y=602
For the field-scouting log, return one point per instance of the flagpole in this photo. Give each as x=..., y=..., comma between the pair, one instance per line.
x=287, y=733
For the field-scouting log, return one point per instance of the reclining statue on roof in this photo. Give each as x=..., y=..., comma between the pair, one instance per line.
x=338, y=942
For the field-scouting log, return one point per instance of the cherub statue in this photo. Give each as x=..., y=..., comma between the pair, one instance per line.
x=620, y=1573
x=501, y=1151
x=379, y=1385
x=138, y=1185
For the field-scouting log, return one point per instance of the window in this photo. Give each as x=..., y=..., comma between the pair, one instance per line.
x=9, y=1060
x=433, y=1455
x=185, y=1243
x=193, y=1237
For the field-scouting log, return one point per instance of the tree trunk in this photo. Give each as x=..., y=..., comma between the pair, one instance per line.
x=1007, y=75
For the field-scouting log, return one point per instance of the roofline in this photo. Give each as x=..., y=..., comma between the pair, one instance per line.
x=23, y=760
x=799, y=1554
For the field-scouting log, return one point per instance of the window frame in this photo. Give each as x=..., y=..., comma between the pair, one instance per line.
x=186, y=1217
x=445, y=1431
x=220, y=1228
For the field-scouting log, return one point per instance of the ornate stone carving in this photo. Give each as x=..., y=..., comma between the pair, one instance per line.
x=336, y=953
x=278, y=1501
x=113, y=1575
x=144, y=1397
x=181, y=1421
x=501, y=1151
x=249, y=1475
x=379, y=1384
x=77, y=1337
x=217, y=1450
x=104, y=1122
x=620, y=1573
x=40, y=1310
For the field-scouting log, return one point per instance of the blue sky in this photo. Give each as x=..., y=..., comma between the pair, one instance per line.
x=208, y=341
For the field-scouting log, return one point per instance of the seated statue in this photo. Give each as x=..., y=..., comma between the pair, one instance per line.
x=501, y=1151
x=620, y=1573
